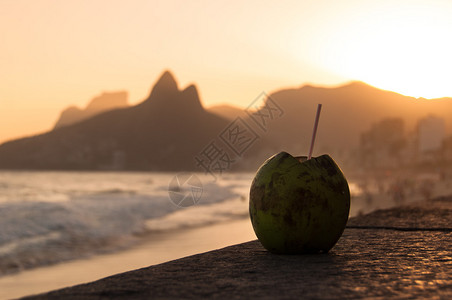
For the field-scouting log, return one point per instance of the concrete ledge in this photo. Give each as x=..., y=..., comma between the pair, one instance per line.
x=366, y=262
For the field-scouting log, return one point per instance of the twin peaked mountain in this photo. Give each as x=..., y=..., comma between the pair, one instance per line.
x=164, y=132
x=168, y=130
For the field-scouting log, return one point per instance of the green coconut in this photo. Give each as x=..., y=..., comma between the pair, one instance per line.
x=299, y=206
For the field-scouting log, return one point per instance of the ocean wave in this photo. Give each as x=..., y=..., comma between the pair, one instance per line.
x=117, y=191
x=196, y=216
x=89, y=219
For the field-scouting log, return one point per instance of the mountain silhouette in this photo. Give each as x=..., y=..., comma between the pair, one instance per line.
x=164, y=132
x=170, y=128
x=347, y=112
x=165, y=97
x=102, y=103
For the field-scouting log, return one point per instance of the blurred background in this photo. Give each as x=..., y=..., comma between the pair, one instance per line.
x=131, y=131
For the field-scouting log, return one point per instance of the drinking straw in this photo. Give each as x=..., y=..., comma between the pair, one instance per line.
x=314, y=132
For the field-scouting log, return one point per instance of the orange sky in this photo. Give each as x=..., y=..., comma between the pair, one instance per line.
x=60, y=53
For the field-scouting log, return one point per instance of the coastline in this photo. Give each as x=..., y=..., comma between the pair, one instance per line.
x=397, y=253
x=157, y=248
x=165, y=243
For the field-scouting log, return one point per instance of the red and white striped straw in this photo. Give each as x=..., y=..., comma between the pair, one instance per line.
x=314, y=132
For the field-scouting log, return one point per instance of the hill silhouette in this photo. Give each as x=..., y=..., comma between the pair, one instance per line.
x=347, y=112
x=164, y=132
x=99, y=104
x=170, y=128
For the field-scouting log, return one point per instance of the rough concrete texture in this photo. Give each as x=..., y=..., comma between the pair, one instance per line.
x=381, y=262
x=434, y=215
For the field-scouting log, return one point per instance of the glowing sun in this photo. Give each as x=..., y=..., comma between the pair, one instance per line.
x=404, y=48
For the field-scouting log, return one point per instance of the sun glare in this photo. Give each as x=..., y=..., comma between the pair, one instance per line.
x=406, y=49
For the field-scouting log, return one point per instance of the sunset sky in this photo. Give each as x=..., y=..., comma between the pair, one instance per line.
x=58, y=53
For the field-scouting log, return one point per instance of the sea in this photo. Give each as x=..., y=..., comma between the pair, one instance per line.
x=49, y=217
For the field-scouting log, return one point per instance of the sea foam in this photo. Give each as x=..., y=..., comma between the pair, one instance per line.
x=48, y=217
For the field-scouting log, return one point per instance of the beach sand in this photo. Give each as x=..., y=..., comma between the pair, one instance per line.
x=158, y=248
